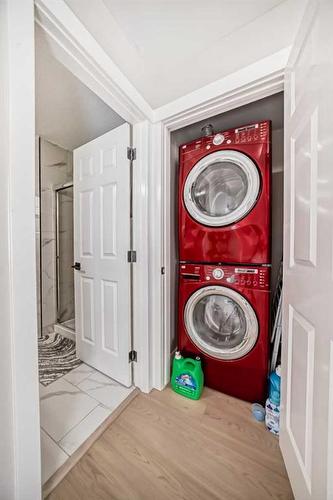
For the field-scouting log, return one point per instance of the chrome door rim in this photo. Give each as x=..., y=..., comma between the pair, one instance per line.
x=253, y=178
x=252, y=327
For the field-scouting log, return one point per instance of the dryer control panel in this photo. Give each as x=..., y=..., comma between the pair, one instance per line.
x=253, y=277
x=255, y=133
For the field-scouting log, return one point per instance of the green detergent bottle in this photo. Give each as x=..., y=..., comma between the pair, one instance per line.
x=187, y=376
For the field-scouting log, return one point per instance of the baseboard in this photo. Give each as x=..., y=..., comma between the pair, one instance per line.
x=59, y=475
x=65, y=332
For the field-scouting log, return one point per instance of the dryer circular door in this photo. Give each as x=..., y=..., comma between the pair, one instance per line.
x=222, y=188
x=221, y=322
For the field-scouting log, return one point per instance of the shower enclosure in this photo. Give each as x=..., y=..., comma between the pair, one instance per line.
x=54, y=239
x=65, y=256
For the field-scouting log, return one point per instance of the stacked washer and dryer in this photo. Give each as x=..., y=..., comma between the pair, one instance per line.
x=224, y=250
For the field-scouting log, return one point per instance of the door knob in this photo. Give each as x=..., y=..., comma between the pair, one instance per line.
x=77, y=266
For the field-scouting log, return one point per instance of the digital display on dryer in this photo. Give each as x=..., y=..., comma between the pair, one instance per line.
x=248, y=127
x=246, y=271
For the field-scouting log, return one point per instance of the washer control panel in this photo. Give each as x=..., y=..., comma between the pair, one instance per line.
x=234, y=276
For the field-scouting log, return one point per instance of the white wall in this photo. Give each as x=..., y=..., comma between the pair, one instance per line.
x=19, y=406
x=67, y=112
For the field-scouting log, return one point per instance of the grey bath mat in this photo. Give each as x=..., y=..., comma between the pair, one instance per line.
x=56, y=357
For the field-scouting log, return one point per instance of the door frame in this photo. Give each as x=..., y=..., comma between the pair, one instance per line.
x=259, y=80
x=78, y=51
x=20, y=472
x=74, y=46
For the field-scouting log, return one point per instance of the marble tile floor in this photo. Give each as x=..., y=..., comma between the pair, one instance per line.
x=71, y=409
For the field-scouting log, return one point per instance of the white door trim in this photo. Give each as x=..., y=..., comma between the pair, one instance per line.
x=267, y=79
x=140, y=285
x=254, y=82
x=20, y=472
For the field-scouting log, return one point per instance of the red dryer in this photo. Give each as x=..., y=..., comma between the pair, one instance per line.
x=224, y=197
x=224, y=318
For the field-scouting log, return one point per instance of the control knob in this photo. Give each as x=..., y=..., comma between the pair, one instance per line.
x=218, y=273
x=218, y=139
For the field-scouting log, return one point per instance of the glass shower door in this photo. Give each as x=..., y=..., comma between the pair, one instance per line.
x=65, y=256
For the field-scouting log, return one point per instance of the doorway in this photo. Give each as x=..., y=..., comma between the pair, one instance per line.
x=84, y=370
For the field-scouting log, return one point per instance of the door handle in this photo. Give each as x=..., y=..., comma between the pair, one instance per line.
x=77, y=266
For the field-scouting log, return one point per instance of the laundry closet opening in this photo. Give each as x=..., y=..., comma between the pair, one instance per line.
x=219, y=179
x=83, y=234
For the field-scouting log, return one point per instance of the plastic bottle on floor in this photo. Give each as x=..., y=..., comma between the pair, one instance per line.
x=272, y=418
x=187, y=376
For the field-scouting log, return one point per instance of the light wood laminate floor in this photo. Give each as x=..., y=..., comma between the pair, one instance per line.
x=164, y=446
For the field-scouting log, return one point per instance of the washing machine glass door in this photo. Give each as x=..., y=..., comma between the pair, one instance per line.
x=221, y=322
x=222, y=188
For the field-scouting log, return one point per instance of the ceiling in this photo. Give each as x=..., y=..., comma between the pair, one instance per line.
x=67, y=112
x=168, y=48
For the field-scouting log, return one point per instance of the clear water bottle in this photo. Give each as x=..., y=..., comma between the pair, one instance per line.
x=272, y=418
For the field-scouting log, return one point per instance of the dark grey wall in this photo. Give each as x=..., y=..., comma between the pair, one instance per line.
x=270, y=108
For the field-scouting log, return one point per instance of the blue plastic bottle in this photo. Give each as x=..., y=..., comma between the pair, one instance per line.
x=273, y=402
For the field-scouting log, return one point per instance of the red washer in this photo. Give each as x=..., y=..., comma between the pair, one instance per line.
x=224, y=197
x=224, y=318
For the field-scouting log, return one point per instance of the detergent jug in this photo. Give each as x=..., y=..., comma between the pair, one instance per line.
x=273, y=402
x=187, y=376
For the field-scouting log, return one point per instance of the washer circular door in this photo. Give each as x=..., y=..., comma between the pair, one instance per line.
x=222, y=188
x=221, y=322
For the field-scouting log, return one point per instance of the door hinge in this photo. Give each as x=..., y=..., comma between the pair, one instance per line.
x=132, y=356
x=131, y=153
x=131, y=256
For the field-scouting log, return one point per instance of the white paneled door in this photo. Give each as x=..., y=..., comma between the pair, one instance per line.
x=307, y=362
x=102, y=240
